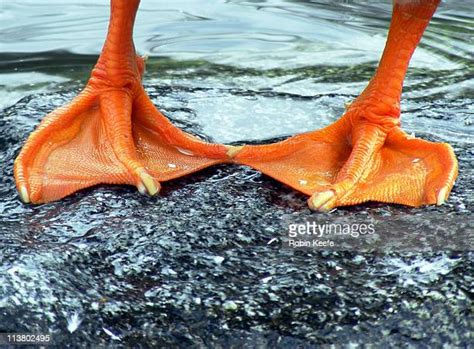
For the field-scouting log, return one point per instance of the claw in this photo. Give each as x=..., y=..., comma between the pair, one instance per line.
x=147, y=184
x=442, y=196
x=141, y=188
x=319, y=201
x=24, y=196
x=232, y=150
x=328, y=206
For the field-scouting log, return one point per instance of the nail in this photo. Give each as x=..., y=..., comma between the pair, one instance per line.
x=317, y=201
x=442, y=196
x=24, y=196
x=148, y=183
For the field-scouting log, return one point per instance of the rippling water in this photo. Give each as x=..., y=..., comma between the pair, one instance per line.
x=232, y=71
x=279, y=51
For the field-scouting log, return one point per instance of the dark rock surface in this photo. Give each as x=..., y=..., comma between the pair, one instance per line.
x=202, y=264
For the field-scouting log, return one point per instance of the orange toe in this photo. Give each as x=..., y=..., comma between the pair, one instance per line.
x=306, y=162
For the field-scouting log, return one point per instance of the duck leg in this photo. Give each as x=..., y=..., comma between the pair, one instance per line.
x=111, y=132
x=365, y=155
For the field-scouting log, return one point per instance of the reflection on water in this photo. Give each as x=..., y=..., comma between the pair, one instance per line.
x=281, y=51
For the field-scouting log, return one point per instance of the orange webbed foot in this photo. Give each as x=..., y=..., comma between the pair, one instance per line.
x=107, y=135
x=365, y=156
x=110, y=133
x=346, y=165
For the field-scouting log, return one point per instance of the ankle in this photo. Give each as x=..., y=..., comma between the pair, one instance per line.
x=376, y=108
x=105, y=77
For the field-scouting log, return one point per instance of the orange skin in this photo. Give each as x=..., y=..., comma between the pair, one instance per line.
x=112, y=133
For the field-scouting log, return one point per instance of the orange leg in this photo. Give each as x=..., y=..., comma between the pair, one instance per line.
x=111, y=132
x=365, y=156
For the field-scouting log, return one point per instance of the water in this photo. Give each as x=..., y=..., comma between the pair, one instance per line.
x=112, y=264
x=294, y=49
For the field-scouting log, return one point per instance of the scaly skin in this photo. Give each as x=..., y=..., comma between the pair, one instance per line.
x=365, y=156
x=112, y=133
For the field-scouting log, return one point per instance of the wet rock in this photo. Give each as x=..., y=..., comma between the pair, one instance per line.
x=202, y=264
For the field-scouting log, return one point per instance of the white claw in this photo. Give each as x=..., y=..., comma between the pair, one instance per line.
x=141, y=189
x=149, y=183
x=232, y=150
x=24, y=196
x=318, y=201
x=442, y=196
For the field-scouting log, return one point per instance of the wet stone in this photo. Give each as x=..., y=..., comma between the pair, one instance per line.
x=201, y=264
